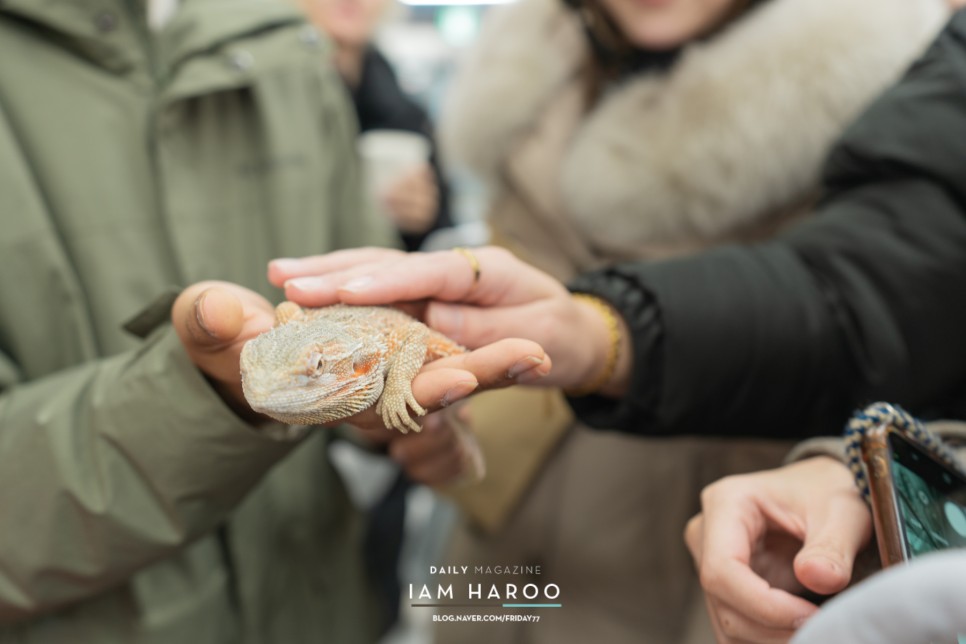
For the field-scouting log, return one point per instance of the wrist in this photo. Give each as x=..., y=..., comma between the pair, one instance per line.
x=608, y=360
x=616, y=386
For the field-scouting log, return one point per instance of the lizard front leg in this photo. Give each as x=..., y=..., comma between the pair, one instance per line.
x=408, y=353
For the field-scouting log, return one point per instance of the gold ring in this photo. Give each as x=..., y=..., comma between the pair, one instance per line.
x=471, y=258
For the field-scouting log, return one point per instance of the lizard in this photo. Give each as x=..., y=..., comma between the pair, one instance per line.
x=321, y=365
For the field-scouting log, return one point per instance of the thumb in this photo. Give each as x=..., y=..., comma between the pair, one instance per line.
x=212, y=320
x=473, y=326
x=833, y=539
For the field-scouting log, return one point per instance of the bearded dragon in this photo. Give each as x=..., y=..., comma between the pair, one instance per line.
x=323, y=365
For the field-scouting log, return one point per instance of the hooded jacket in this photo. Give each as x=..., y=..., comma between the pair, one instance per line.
x=134, y=505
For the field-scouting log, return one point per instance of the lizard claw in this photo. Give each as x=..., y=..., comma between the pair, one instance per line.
x=395, y=414
x=412, y=424
x=288, y=311
x=418, y=409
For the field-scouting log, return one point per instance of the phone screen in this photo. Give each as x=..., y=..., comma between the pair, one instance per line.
x=931, y=499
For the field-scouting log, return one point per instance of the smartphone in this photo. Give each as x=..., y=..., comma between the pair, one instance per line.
x=918, y=501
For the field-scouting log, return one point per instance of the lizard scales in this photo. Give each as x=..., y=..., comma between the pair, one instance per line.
x=319, y=366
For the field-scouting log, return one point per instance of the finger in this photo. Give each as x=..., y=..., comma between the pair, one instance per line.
x=436, y=441
x=400, y=182
x=440, y=469
x=839, y=530
x=750, y=594
x=443, y=275
x=324, y=290
x=732, y=525
x=450, y=276
x=214, y=319
x=737, y=627
x=442, y=387
x=347, y=280
x=507, y=362
x=719, y=634
x=417, y=174
x=694, y=538
x=412, y=216
x=413, y=212
x=286, y=268
x=432, y=389
x=352, y=286
x=712, y=608
x=474, y=326
x=443, y=382
x=372, y=436
x=425, y=172
x=435, y=456
x=418, y=200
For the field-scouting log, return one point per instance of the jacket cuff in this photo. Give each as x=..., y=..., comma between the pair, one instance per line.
x=157, y=315
x=833, y=447
x=635, y=412
x=191, y=392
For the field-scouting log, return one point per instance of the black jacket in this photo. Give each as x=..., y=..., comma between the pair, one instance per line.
x=864, y=301
x=381, y=104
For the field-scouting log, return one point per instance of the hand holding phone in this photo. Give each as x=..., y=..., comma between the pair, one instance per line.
x=918, y=497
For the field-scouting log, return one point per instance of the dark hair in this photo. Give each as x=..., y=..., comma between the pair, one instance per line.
x=613, y=55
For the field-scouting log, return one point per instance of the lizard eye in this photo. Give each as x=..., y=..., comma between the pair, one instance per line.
x=316, y=362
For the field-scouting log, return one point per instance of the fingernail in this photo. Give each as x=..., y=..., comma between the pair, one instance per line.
x=458, y=391
x=284, y=264
x=200, y=314
x=357, y=285
x=832, y=564
x=523, y=366
x=304, y=283
x=530, y=377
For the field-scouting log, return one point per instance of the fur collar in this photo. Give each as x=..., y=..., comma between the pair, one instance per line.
x=735, y=131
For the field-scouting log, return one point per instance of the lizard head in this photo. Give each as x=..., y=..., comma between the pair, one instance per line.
x=310, y=372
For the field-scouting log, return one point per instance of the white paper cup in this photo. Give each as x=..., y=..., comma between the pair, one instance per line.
x=387, y=155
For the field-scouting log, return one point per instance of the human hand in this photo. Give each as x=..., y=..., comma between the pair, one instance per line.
x=412, y=199
x=766, y=537
x=445, y=452
x=442, y=382
x=509, y=299
x=214, y=320
x=920, y=601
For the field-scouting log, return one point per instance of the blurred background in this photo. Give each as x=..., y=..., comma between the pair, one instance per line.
x=424, y=41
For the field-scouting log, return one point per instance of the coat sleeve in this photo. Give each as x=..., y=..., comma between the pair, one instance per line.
x=110, y=466
x=864, y=301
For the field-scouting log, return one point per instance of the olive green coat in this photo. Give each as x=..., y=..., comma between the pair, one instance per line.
x=134, y=506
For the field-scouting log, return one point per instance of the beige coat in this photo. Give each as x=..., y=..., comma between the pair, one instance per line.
x=726, y=147
x=716, y=150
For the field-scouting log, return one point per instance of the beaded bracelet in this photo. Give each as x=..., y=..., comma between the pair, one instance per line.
x=880, y=414
x=614, y=332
